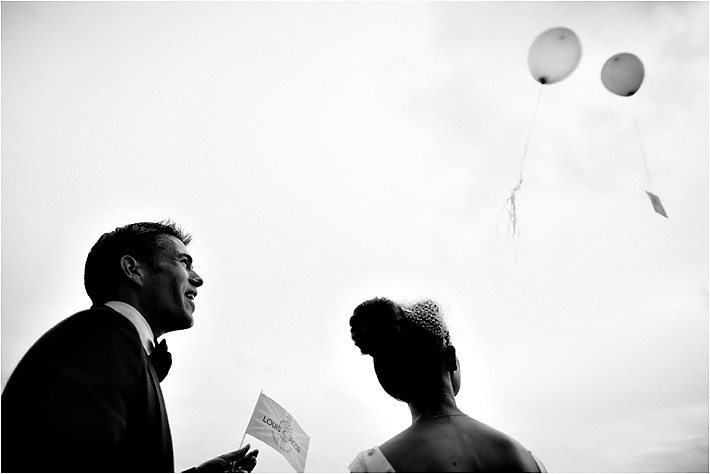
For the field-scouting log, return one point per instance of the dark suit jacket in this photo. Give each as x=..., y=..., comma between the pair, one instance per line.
x=85, y=398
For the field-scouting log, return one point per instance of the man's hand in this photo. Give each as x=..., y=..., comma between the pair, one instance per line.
x=236, y=461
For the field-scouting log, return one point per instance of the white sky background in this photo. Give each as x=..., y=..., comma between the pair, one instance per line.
x=325, y=153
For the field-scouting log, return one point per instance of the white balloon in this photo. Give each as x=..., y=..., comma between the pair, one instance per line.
x=554, y=55
x=623, y=74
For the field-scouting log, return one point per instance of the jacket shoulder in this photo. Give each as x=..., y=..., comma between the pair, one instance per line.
x=87, y=341
x=99, y=322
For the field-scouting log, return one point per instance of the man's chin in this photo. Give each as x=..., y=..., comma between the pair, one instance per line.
x=186, y=322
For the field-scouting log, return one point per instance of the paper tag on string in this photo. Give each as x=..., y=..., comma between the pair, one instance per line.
x=657, y=206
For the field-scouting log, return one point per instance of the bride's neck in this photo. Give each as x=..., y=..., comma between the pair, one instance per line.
x=436, y=407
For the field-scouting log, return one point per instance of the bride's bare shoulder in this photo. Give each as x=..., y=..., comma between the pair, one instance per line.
x=499, y=448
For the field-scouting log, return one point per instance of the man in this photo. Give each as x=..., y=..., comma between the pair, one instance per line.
x=86, y=397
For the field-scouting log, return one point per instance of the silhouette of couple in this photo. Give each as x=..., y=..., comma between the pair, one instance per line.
x=86, y=396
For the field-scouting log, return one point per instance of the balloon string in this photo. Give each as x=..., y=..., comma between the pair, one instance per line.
x=532, y=122
x=510, y=202
x=643, y=153
x=510, y=206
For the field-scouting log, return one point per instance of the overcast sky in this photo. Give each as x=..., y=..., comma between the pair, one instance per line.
x=325, y=153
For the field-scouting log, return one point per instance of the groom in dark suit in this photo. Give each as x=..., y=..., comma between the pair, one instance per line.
x=86, y=397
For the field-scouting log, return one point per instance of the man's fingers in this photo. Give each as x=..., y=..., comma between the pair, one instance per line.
x=248, y=457
x=248, y=462
x=236, y=455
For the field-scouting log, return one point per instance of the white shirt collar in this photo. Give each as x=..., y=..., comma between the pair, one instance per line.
x=132, y=314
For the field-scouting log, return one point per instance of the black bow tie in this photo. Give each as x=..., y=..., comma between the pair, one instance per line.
x=161, y=359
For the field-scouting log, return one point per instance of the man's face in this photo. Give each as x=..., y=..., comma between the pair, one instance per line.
x=170, y=287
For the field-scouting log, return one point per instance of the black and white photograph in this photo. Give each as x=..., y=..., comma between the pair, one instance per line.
x=355, y=236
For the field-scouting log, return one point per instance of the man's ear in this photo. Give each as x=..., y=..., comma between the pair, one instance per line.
x=132, y=269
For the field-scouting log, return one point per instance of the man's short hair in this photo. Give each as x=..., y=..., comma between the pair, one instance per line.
x=141, y=241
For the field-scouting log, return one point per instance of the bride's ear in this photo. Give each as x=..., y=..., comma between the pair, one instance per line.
x=452, y=365
x=452, y=362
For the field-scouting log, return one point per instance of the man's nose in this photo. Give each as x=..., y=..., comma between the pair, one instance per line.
x=195, y=279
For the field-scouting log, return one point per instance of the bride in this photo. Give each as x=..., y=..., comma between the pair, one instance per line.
x=416, y=363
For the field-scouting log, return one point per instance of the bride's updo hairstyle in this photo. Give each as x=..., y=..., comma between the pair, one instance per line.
x=406, y=342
